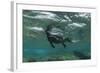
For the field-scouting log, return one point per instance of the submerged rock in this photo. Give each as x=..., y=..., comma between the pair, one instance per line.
x=81, y=55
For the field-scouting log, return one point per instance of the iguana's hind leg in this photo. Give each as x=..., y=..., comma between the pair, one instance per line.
x=64, y=44
x=52, y=44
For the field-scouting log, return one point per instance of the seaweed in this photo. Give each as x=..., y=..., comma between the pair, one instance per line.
x=32, y=60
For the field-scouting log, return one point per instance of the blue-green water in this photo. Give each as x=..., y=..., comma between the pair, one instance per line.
x=36, y=46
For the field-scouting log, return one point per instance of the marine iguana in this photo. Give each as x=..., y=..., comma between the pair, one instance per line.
x=55, y=36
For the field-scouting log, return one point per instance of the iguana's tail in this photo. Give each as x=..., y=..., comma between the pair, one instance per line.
x=68, y=40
